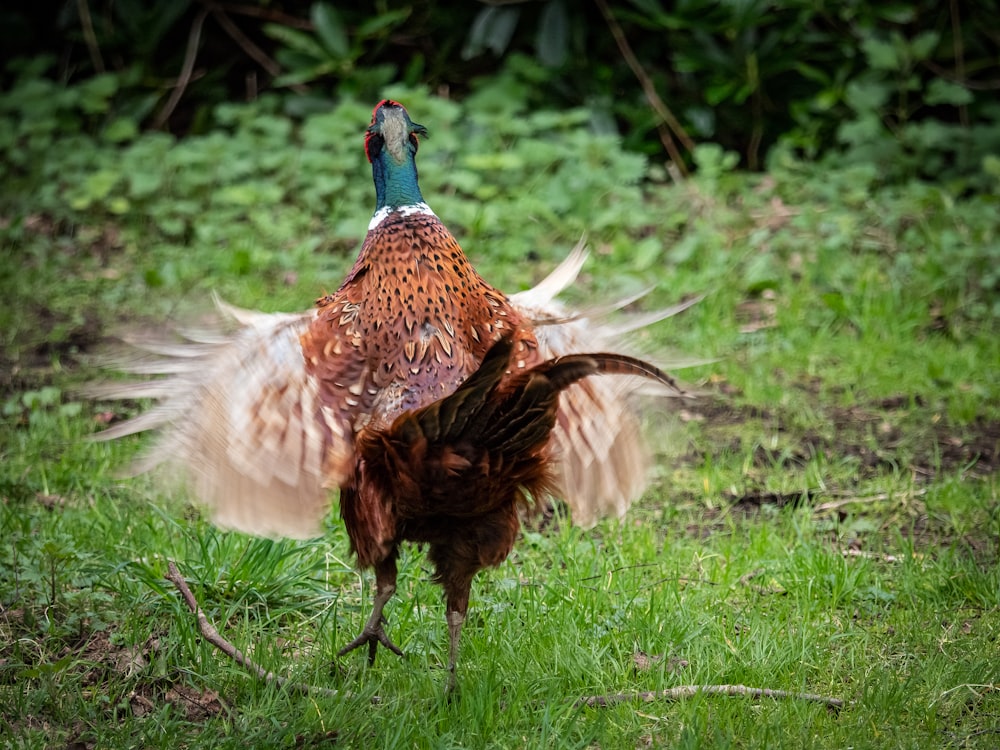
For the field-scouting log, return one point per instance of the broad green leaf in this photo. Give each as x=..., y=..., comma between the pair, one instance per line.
x=646, y=252
x=296, y=40
x=991, y=165
x=491, y=30
x=121, y=130
x=863, y=130
x=881, y=55
x=718, y=92
x=813, y=73
x=98, y=185
x=96, y=93
x=867, y=95
x=330, y=29
x=900, y=13
x=387, y=20
x=941, y=91
x=923, y=44
x=552, y=41
x=119, y=205
x=304, y=75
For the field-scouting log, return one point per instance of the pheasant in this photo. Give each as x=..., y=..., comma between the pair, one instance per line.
x=438, y=406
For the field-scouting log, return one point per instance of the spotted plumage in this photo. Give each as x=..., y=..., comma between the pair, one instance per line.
x=411, y=321
x=438, y=406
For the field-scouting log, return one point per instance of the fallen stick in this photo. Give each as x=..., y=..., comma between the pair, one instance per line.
x=689, y=691
x=864, y=499
x=885, y=557
x=212, y=635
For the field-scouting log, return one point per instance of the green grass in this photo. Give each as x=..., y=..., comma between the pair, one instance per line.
x=853, y=406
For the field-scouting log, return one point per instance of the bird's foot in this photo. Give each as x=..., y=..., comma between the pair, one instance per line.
x=372, y=635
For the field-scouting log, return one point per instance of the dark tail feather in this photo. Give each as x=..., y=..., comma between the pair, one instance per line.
x=518, y=414
x=453, y=417
x=564, y=371
x=466, y=453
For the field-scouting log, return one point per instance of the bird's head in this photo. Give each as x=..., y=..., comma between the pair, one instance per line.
x=393, y=132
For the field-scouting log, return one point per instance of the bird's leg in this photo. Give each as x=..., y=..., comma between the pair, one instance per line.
x=455, y=620
x=457, y=606
x=373, y=634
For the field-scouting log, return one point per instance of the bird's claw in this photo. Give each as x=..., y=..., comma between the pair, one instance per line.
x=372, y=636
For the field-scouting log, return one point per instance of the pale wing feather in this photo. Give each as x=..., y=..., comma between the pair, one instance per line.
x=602, y=458
x=242, y=418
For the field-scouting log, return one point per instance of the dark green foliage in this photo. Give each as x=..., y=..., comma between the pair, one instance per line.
x=905, y=86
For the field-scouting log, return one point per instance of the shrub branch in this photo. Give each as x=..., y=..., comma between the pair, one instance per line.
x=667, y=117
x=249, y=47
x=187, y=70
x=89, y=37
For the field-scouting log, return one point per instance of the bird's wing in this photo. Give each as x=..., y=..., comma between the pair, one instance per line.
x=241, y=418
x=602, y=457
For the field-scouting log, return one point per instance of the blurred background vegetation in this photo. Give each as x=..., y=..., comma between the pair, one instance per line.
x=841, y=220
x=909, y=87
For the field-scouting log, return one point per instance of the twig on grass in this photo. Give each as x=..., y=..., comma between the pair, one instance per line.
x=619, y=570
x=747, y=577
x=689, y=691
x=883, y=556
x=862, y=500
x=852, y=500
x=212, y=635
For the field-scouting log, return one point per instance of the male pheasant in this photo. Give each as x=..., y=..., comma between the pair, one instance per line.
x=439, y=407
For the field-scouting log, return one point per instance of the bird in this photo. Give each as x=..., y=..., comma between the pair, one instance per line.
x=437, y=408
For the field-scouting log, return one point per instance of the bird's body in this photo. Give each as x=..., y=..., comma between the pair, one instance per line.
x=411, y=322
x=429, y=398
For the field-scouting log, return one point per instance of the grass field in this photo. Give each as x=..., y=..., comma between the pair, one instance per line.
x=823, y=517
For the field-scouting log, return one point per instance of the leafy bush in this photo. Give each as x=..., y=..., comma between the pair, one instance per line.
x=264, y=200
x=905, y=86
x=271, y=203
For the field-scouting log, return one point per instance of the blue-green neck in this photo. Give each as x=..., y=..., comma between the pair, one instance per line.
x=395, y=183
